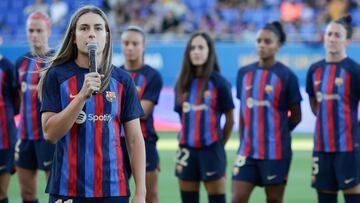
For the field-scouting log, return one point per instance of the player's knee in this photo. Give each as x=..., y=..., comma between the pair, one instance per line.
x=274, y=199
x=152, y=196
x=239, y=198
x=28, y=193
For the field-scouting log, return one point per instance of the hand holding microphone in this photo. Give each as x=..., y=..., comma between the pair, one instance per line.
x=92, y=81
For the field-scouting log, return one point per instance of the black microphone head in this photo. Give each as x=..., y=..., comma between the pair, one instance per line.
x=91, y=45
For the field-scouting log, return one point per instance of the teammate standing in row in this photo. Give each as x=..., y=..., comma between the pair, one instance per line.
x=31, y=151
x=202, y=96
x=9, y=100
x=269, y=110
x=333, y=87
x=148, y=84
x=83, y=112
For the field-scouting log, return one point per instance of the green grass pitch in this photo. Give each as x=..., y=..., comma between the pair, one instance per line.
x=298, y=189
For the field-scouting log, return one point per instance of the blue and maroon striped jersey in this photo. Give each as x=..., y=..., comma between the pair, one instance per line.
x=336, y=87
x=148, y=84
x=200, y=112
x=266, y=95
x=8, y=94
x=27, y=78
x=88, y=160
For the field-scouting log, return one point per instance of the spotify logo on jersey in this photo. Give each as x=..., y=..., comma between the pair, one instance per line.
x=81, y=118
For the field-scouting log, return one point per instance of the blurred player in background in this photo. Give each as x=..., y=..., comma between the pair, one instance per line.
x=83, y=112
x=9, y=103
x=333, y=85
x=202, y=96
x=269, y=110
x=148, y=84
x=31, y=151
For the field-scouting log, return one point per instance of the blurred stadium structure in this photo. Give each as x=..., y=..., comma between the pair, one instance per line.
x=234, y=20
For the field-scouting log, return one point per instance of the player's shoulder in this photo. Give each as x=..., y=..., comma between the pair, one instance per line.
x=151, y=71
x=284, y=69
x=120, y=74
x=247, y=68
x=318, y=64
x=218, y=79
x=5, y=63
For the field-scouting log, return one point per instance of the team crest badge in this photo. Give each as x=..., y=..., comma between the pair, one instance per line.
x=206, y=94
x=138, y=88
x=339, y=81
x=268, y=89
x=110, y=96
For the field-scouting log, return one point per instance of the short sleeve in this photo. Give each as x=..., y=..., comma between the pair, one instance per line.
x=293, y=90
x=17, y=73
x=177, y=106
x=225, y=99
x=131, y=107
x=309, y=83
x=239, y=79
x=10, y=79
x=51, y=93
x=153, y=89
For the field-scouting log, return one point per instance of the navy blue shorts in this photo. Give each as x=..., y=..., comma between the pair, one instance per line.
x=34, y=154
x=7, y=161
x=205, y=164
x=261, y=172
x=64, y=199
x=126, y=157
x=335, y=171
x=152, y=157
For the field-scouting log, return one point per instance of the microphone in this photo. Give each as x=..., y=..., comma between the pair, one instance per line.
x=92, y=46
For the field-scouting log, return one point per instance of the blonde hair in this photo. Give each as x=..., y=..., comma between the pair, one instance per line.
x=68, y=50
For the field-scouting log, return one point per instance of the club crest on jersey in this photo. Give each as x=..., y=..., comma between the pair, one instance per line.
x=110, y=96
x=138, y=88
x=339, y=81
x=268, y=89
x=206, y=94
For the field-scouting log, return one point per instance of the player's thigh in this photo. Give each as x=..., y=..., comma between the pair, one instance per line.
x=44, y=153
x=187, y=164
x=241, y=191
x=152, y=157
x=189, y=186
x=152, y=182
x=25, y=154
x=4, y=184
x=323, y=172
x=274, y=172
x=214, y=187
x=347, y=168
x=212, y=162
x=246, y=169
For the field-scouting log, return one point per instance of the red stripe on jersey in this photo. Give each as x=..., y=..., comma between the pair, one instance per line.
x=317, y=82
x=23, y=70
x=21, y=78
x=98, y=145
x=143, y=128
x=121, y=176
x=347, y=113
x=142, y=89
x=183, y=124
x=5, y=138
x=198, y=115
x=34, y=101
x=261, y=115
x=247, y=119
x=330, y=109
x=278, y=144
x=213, y=131
x=72, y=155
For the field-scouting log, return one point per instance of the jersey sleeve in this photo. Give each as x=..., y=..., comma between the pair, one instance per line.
x=239, y=79
x=293, y=91
x=131, y=107
x=225, y=99
x=51, y=93
x=177, y=106
x=309, y=83
x=153, y=89
x=10, y=80
x=17, y=73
